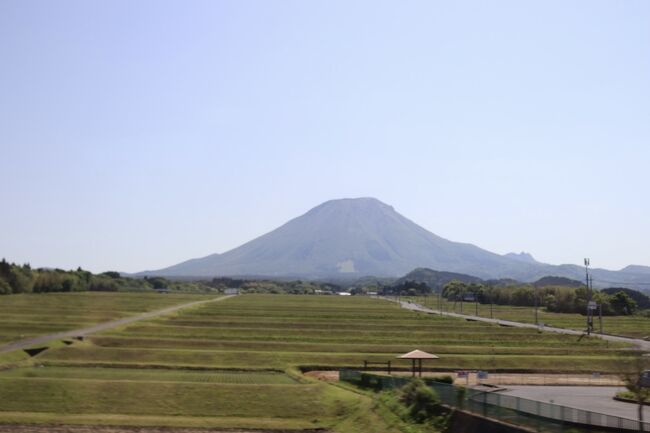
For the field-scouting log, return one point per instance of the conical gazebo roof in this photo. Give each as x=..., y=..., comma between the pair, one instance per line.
x=418, y=354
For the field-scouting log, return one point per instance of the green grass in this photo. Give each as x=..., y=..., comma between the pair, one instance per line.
x=628, y=326
x=82, y=396
x=209, y=366
x=10, y=359
x=263, y=331
x=152, y=375
x=29, y=315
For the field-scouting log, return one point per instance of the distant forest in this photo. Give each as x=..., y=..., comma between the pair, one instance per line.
x=23, y=279
x=554, y=298
x=293, y=287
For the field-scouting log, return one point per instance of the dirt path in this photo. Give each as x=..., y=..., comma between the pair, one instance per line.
x=641, y=344
x=42, y=339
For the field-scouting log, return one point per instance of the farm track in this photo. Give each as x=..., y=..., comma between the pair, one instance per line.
x=42, y=339
x=638, y=343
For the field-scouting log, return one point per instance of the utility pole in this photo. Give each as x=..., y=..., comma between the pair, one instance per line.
x=590, y=322
x=536, y=302
x=600, y=317
x=491, y=294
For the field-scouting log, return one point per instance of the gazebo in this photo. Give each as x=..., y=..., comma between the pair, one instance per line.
x=417, y=355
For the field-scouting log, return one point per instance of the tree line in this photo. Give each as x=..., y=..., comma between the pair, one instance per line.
x=293, y=287
x=23, y=279
x=559, y=299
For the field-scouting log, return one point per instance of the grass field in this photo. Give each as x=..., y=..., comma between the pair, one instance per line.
x=29, y=315
x=153, y=375
x=627, y=326
x=258, y=331
x=235, y=364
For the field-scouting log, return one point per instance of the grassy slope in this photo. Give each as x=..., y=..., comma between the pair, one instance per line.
x=152, y=375
x=262, y=332
x=36, y=314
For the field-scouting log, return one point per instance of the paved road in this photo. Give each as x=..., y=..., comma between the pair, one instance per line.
x=591, y=398
x=42, y=339
x=641, y=344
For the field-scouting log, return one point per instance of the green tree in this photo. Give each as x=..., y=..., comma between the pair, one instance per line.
x=21, y=279
x=623, y=304
x=454, y=289
x=5, y=288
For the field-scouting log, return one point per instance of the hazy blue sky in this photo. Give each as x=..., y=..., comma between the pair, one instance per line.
x=135, y=134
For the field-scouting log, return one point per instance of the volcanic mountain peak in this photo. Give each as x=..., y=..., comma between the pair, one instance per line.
x=360, y=236
x=363, y=237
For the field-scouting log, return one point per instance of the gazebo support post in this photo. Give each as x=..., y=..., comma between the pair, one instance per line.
x=420, y=362
x=413, y=373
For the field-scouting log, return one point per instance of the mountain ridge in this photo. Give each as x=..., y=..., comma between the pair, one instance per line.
x=356, y=237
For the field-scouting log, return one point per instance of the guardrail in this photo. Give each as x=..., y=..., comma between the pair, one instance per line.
x=539, y=416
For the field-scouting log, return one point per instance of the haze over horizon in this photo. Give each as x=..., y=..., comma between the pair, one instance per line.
x=137, y=135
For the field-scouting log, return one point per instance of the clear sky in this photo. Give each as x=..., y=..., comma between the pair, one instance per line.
x=135, y=135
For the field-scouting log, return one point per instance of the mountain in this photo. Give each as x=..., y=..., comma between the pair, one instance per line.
x=522, y=257
x=435, y=279
x=636, y=269
x=557, y=281
x=352, y=238
x=347, y=237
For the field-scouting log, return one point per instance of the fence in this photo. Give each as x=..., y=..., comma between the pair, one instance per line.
x=537, y=415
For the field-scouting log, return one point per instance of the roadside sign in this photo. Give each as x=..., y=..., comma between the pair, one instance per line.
x=592, y=305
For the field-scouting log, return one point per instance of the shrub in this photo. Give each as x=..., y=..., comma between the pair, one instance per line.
x=420, y=400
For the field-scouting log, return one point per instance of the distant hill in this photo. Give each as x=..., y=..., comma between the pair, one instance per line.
x=350, y=238
x=641, y=299
x=557, y=281
x=502, y=282
x=435, y=279
x=636, y=269
x=372, y=281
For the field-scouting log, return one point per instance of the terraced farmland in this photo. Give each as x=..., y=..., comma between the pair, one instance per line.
x=278, y=332
x=29, y=315
x=153, y=375
x=235, y=363
x=628, y=326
